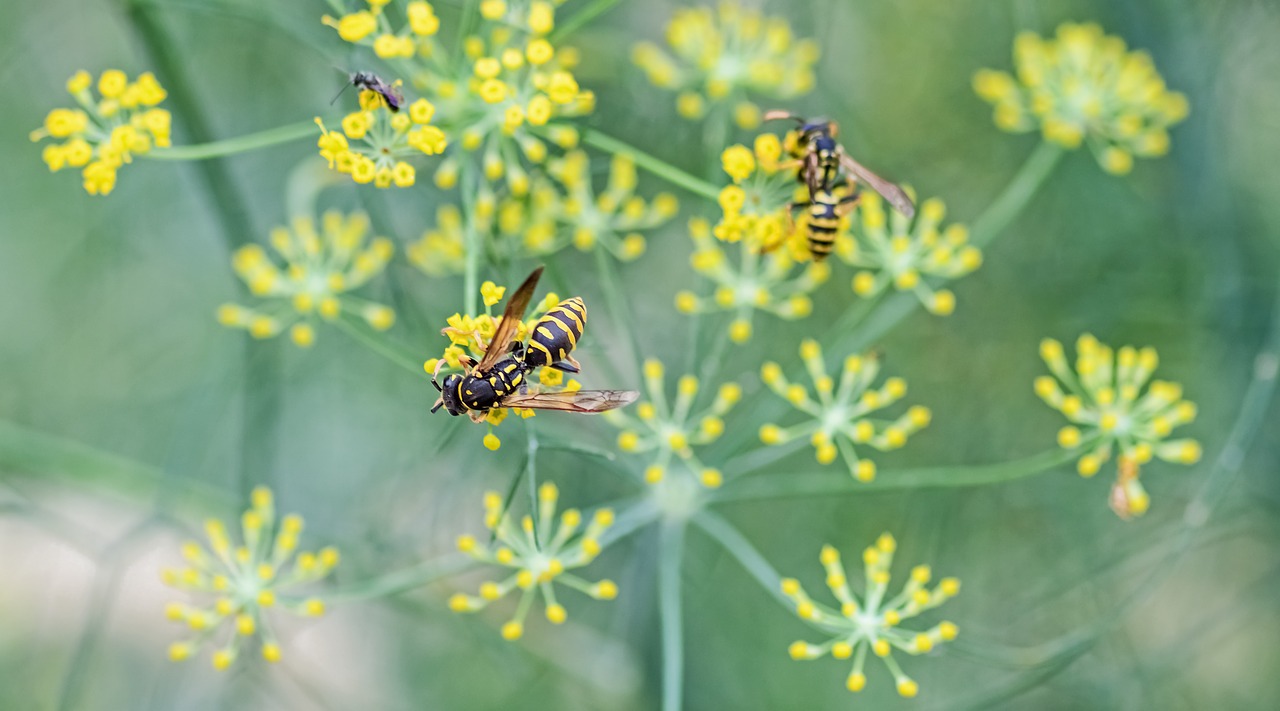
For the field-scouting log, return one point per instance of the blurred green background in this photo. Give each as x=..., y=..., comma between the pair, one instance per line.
x=106, y=311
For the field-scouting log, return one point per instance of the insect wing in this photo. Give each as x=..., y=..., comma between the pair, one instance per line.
x=511, y=316
x=894, y=194
x=584, y=401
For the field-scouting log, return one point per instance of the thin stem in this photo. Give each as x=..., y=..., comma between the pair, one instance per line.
x=1017, y=193
x=240, y=144
x=660, y=168
x=403, y=580
x=741, y=549
x=618, y=313
x=471, y=273
x=832, y=481
x=579, y=19
x=670, y=555
x=380, y=346
x=531, y=473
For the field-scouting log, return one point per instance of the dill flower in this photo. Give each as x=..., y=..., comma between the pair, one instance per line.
x=872, y=621
x=318, y=274
x=669, y=430
x=375, y=141
x=501, y=97
x=1114, y=405
x=724, y=56
x=106, y=130
x=611, y=220
x=469, y=336
x=245, y=581
x=757, y=282
x=905, y=254
x=1085, y=86
x=539, y=555
x=840, y=412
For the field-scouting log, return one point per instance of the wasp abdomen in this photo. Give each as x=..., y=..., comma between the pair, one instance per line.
x=556, y=334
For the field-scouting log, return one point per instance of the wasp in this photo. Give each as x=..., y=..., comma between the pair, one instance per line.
x=825, y=206
x=368, y=81
x=500, y=377
x=821, y=160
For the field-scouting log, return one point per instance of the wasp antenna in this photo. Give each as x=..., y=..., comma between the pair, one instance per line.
x=438, y=405
x=335, y=97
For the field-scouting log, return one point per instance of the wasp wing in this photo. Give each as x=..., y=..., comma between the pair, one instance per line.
x=894, y=194
x=510, y=323
x=584, y=401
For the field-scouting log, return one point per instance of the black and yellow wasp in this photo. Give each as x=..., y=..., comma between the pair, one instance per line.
x=832, y=178
x=500, y=377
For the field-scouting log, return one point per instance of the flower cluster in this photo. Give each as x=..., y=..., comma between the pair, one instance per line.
x=505, y=94
x=1081, y=86
x=668, y=430
x=375, y=141
x=722, y=56
x=1109, y=410
x=469, y=337
x=540, y=554
x=319, y=271
x=613, y=218
x=840, y=412
x=105, y=132
x=872, y=621
x=246, y=581
x=893, y=250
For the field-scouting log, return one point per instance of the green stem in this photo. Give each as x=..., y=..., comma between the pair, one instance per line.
x=579, y=19
x=471, y=273
x=834, y=482
x=380, y=346
x=239, y=144
x=615, y=303
x=1017, y=193
x=670, y=555
x=660, y=168
x=531, y=473
x=741, y=549
x=403, y=580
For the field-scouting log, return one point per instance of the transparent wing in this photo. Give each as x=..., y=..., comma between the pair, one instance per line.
x=585, y=401
x=511, y=316
x=894, y=194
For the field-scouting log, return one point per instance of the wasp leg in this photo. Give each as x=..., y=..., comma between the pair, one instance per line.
x=568, y=365
x=477, y=416
x=468, y=361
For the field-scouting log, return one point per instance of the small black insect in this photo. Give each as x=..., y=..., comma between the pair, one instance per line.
x=368, y=81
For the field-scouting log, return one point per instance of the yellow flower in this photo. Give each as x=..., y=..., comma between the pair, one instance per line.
x=375, y=141
x=667, y=430
x=891, y=250
x=871, y=623
x=1085, y=86
x=840, y=411
x=722, y=56
x=1113, y=404
x=245, y=581
x=105, y=133
x=540, y=553
x=613, y=218
x=319, y=270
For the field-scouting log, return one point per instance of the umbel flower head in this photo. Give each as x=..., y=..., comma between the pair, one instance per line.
x=1114, y=406
x=1085, y=86
x=840, y=412
x=375, y=141
x=721, y=57
x=469, y=336
x=613, y=219
x=319, y=272
x=245, y=581
x=871, y=622
x=669, y=430
x=539, y=554
x=502, y=95
x=894, y=250
x=107, y=130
